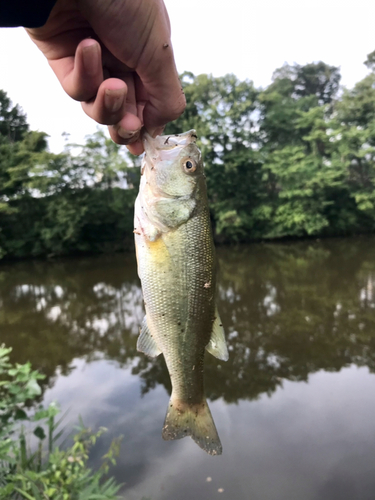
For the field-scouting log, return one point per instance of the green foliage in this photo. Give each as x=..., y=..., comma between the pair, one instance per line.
x=223, y=111
x=13, y=125
x=292, y=160
x=67, y=203
x=48, y=472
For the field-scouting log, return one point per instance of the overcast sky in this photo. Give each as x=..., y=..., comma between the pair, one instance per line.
x=250, y=38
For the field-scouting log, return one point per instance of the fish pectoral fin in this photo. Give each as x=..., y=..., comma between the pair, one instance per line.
x=173, y=214
x=217, y=345
x=146, y=342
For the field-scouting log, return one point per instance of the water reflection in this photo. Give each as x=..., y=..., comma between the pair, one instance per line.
x=293, y=312
x=288, y=310
x=54, y=312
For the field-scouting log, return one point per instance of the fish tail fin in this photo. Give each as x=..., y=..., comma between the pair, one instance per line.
x=195, y=420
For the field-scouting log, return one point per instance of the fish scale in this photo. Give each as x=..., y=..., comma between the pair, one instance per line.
x=176, y=265
x=190, y=306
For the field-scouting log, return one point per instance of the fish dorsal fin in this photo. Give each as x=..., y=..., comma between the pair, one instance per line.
x=217, y=345
x=146, y=342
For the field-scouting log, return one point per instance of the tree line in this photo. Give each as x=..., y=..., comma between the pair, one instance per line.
x=295, y=159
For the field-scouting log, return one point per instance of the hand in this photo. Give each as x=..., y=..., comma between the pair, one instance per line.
x=116, y=57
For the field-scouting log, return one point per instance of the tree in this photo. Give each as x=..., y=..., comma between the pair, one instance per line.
x=78, y=201
x=292, y=160
x=223, y=112
x=13, y=125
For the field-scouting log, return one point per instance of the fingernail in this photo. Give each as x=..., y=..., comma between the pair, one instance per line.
x=90, y=58
x=128, y=134
x=113, y=99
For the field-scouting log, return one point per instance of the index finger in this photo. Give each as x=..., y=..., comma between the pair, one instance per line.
x=166, y=99
x=140, y=38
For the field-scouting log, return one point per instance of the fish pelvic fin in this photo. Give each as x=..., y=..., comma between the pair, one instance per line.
x=217, y=345
x=195, y=420
x=146, y=342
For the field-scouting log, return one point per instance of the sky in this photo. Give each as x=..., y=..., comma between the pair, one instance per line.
x=250, y=38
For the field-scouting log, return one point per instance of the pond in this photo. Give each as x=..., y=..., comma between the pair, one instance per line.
x=294, y=405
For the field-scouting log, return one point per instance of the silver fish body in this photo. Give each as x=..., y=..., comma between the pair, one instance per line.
x=176, y=265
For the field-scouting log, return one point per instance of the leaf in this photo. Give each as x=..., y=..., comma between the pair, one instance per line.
x=20, y=414
x=25, y=494
x=39, y=433
x=33, y=388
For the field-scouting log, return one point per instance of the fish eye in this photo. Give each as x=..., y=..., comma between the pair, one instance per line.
x=189, y=165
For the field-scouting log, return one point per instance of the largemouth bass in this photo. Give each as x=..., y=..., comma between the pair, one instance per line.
x=176, y=265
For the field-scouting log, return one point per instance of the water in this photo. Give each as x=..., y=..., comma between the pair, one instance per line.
x=294, y=405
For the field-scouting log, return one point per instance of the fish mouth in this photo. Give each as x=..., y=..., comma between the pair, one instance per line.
x=167, y=147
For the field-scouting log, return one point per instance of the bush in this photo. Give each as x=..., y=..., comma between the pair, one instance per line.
x=46, y=472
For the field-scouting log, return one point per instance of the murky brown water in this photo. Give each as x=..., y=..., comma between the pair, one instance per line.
x=294, y=405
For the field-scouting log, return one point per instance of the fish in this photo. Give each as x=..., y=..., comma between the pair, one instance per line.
x=177, y=268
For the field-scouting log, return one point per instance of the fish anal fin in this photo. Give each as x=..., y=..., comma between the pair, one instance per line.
x=195, y=420
x=146, y=342
x=217, y=345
